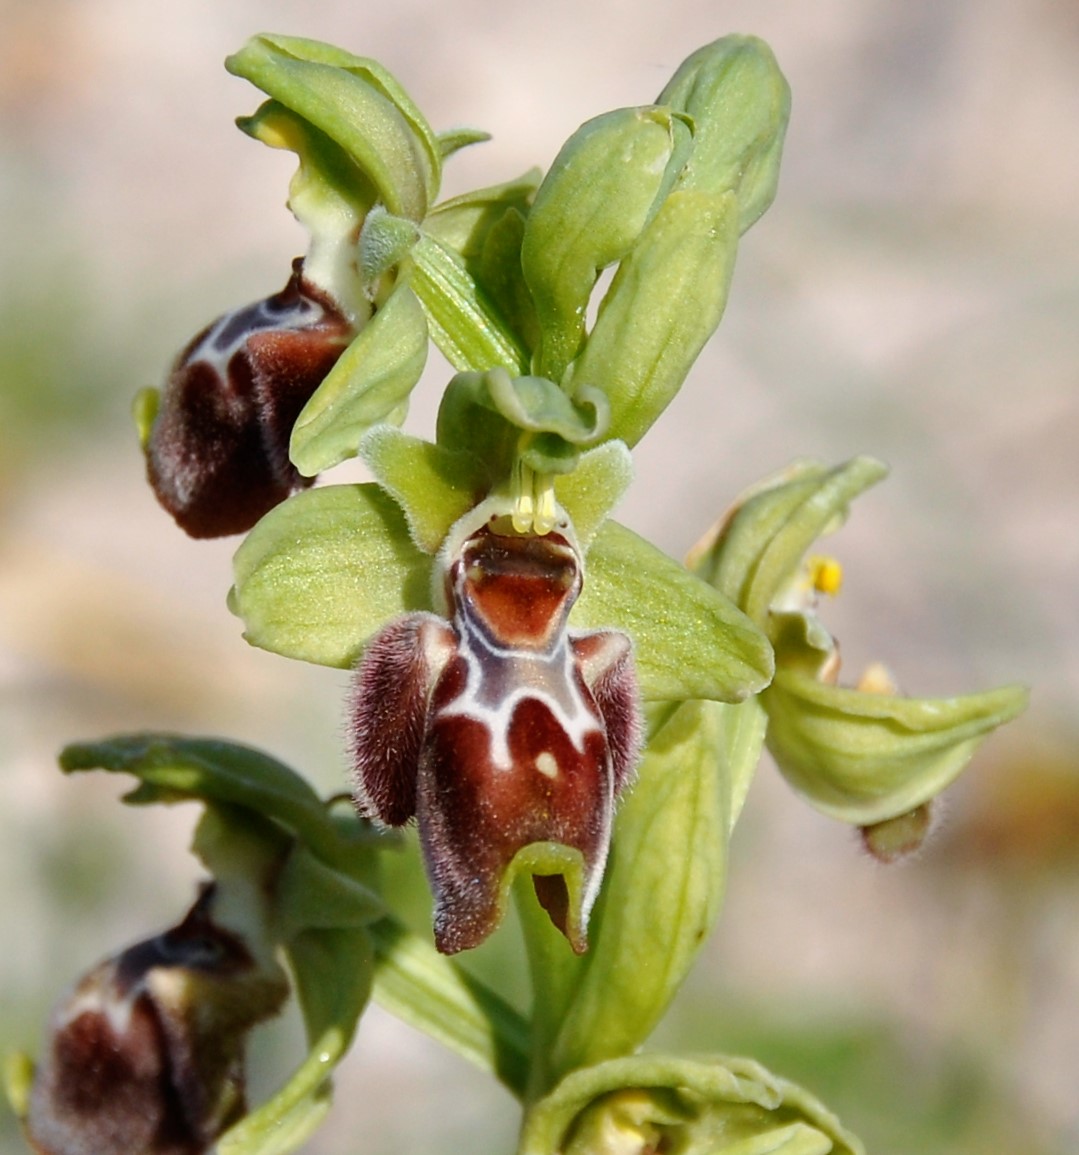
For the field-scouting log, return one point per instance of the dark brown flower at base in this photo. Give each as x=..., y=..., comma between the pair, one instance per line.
x=217, y=453
x=145, y=1055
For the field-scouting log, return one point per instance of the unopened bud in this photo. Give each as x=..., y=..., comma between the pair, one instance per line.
x=145, y=1054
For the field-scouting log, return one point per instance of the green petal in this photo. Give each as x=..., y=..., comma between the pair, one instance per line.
x=599, y=194
x=454, y=139
x=464, y=222
x=324, y=570
x=658, y=902
x=589, y=492
x=663, y=304
x=759, y=547
x=863, y=757
x=357, y=104
x=370, y=383
x=433, y=485
x=740, y=105
x=719, y=1106
x=690, y=641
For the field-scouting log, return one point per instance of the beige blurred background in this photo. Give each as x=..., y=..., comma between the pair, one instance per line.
x=913, y=294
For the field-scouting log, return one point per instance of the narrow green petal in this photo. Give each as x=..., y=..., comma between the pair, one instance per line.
x=454, y=139
x=433, y=485
x=324, y=570
x=690, y=641
x=463, y=222
x=863, y=757
x=371, y=381
x=715, y=1106
x=589, y=492
x=663, y=304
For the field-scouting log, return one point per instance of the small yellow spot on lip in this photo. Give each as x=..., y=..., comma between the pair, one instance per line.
x=547, y=764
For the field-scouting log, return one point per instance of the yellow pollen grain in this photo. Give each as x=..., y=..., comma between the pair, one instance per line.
x=825, y=574
x=547, y=764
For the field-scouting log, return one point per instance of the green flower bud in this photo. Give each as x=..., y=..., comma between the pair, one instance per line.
x=652, y=1103
x=603, y=188
x=739, y=103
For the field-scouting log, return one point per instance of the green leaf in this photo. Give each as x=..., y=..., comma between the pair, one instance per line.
x=466, y=324
x=664, y=885
x=759, y=547
x=603, y=188
x=323, y=571
x=864, y=757
x=358, y=105
x=689, y=640
x=718, y=1106
x=428, y=991
x=664, y=302
x=370, y=383
x=740, y=104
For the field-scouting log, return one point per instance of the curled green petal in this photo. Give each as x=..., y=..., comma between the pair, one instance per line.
x=740, y=104
x=663, y=304
x=719, y=1106
x=323, y=571
x=865, y=757
x=759, y=547
x=358, y=105
x=370, y=383
x=658, y=902
x=454, y=139
x=690, y=641
x=601, y=191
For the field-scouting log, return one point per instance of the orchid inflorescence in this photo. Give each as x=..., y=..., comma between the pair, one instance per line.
x=570, y=717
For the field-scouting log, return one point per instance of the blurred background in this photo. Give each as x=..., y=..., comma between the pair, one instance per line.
x=912, y=294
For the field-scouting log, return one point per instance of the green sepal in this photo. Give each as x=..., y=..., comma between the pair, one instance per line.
x=864, y=757
x=706, y=1106
x=370, y=384
x=320, y=573
x=663, y=888
x=466, y=324
x=603, y=188
x=663, y=304
x=689, y=640
x=740, y=104
x=433, y=994
x=759, y=547
x=170, y=768
x=359, y=106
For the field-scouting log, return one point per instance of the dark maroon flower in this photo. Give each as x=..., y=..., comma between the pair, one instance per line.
x=217, y=453
x=145, y=1054
x=505, y=734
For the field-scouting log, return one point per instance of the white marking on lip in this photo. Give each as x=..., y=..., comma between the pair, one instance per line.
x=547, y=764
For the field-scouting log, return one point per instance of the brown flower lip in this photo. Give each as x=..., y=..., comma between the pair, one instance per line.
x=217, y=453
